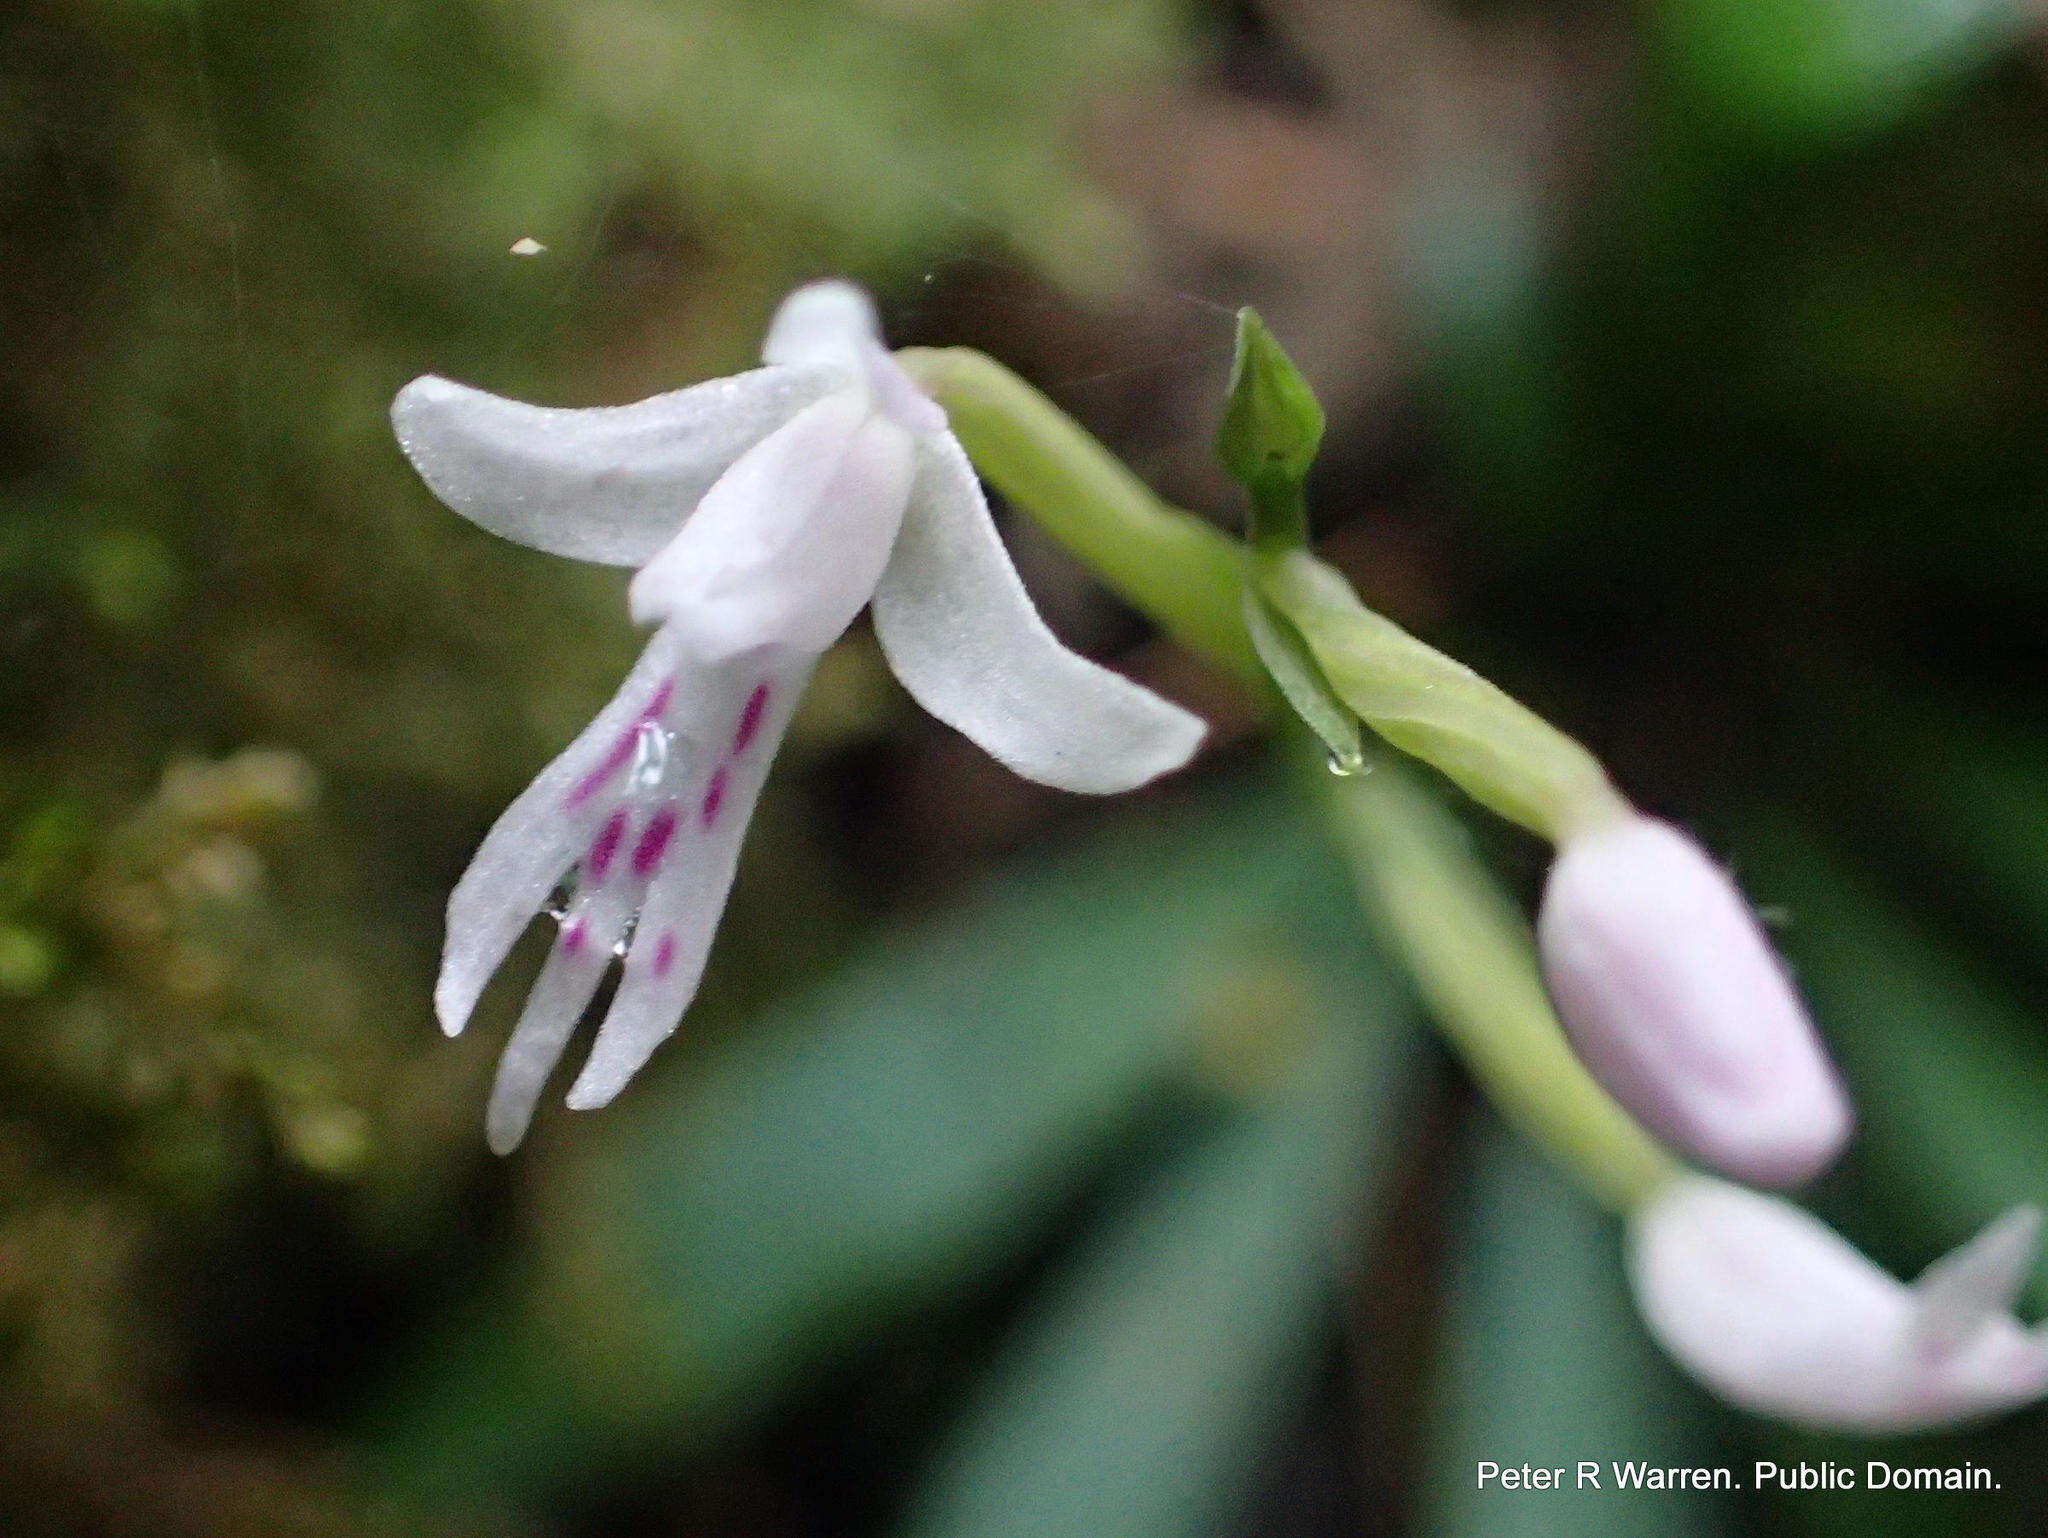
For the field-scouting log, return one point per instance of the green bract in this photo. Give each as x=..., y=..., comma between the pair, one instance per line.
x=1288, y=660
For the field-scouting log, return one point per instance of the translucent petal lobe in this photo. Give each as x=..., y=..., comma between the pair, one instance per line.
x=610, y=484
x=1765, y=1303
x=962, y=634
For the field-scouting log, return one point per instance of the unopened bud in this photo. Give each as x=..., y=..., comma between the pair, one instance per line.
x=1777, y=1313
x=1677, y=1004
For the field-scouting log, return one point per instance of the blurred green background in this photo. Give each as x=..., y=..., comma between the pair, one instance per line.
x=1026, y=1166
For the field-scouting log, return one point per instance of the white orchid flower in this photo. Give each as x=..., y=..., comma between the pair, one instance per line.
x=763, y=511
x=1778, y=1313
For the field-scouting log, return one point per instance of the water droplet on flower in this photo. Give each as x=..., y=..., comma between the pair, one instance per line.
x=1347, y=762
x=557, y=905
x=650, y=755
x=624, y=942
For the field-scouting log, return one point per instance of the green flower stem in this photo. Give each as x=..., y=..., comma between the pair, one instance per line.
x=1467, y=945
x=1179, y=571
x=1497, y=750
x=1472, y=957
x=1185, y=575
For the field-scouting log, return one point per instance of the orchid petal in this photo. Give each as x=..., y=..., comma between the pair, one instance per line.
x=686, y=894
x=605, y=483
x=538, y=837
x=961, y=632
x=789, y=544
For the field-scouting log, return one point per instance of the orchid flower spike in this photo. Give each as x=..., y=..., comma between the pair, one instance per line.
x=763, y=511
x=1778, y=1313
x=1677, y=1004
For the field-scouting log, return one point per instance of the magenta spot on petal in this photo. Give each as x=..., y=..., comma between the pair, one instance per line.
x=660, y=701
x=665, y=953
x=574, y=936
x=621, y=753
x=605, y=847
x=617, y=759
x=750, y=719
x=714, y=796
x=653, y=843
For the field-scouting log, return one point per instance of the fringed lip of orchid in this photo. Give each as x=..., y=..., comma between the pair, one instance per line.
x=762, y=512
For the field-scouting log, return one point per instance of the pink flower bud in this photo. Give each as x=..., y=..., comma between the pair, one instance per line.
x=1679, y=1007
x=1777, y=1313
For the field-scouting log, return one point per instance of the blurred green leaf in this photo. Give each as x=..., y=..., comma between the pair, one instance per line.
x=1967, y=794
x=1544, y=1363
x=1142, y=1391
x=1801, y=69
x=129, y=578
x=27, y=961
x=885, y=128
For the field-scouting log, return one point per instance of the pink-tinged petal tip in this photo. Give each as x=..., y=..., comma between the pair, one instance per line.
x=830, y=323
x=586, y=1095
x=452, y=1018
